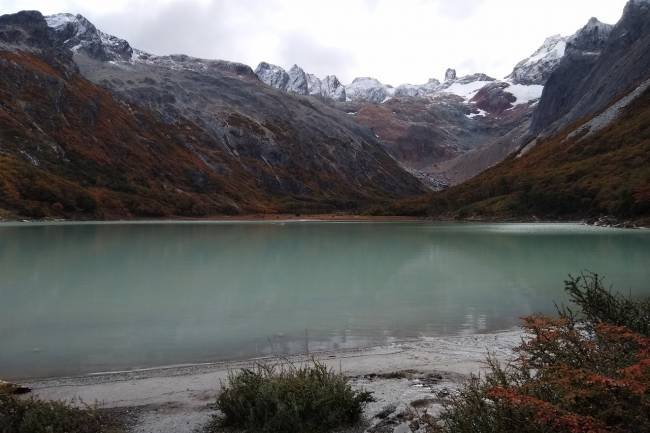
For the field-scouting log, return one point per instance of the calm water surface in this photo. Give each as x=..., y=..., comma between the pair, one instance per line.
x=80, y=298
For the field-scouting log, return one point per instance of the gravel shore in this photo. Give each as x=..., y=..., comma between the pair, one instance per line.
x=416, y=373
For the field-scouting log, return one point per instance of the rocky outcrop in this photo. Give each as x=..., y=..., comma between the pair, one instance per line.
x=450, y=75
x=418, y=90
x=332, y=88
x=494, y=98
x=297, y=83
x=75, y=32
x=314, y=85
x=591, y=39
x=369, y=90
x=273, y=76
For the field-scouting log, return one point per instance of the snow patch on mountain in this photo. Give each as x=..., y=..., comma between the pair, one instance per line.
x=465, y=90
x=525, y=93
x=58, y=21
x=480, y=113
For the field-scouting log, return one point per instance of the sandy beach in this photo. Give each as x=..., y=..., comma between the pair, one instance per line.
x=179, y=399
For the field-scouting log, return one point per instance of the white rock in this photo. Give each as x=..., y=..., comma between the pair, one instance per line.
x=332, y=88
x=314, y=85
x=273, y=75
x=298, y=82
x=369, y=90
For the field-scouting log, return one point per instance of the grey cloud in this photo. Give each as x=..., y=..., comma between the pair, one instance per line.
x=316, y=57
x=187, y=27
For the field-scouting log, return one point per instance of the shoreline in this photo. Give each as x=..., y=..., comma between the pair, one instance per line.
x=178, y=399
x=602, y=222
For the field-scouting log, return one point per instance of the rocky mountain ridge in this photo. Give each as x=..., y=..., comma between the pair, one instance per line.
x=292, y=140
x=369, y=89
x=113, y=132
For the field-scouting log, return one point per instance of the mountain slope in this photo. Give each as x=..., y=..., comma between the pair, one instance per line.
x=569, y=176
x=169, y=135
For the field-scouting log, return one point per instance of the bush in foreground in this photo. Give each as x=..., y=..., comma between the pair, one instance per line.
x=289, y=399
x=36, y=416
x=599, y=305
x=579, y=373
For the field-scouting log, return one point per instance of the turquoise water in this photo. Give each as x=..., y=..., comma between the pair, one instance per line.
x=81, y=298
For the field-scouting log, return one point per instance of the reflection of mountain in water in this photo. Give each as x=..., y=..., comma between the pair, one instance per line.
x=159, y=294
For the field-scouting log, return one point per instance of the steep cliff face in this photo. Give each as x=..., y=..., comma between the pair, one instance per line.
x=602, y=63
x=171, y=135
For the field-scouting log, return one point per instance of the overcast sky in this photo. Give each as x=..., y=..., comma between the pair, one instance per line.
x=396, y=41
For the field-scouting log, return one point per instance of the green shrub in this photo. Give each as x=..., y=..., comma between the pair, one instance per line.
x=36, y=416
x=289, y=399
x=599, y=305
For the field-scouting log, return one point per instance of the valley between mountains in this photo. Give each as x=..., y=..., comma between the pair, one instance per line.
x=93, y=128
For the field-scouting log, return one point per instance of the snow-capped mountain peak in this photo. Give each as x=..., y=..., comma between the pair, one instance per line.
x=536, y=69
x=79, y=34
x=272, y=75
x=591, y=38
x=298, y=82
x=368, y=89
x=333, y=89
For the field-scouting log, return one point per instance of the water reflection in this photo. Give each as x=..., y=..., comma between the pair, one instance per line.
x=92, y=297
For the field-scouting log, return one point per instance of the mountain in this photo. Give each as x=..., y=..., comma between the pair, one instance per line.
x=537, y=68
x=564, y=87
x=418, y=90
x=601, y=64
x=430, y=127
x=368, y=89
x=593, y=155
x=273, y=76
x=79, y=34
x=92, y=128
x=573, y=175
x=467, y=124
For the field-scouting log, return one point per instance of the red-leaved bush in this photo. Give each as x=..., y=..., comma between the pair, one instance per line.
x=570, y=375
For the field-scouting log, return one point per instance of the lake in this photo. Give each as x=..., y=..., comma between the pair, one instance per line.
x=78, y=298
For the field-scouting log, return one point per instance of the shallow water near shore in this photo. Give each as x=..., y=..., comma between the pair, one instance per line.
x=78, y=298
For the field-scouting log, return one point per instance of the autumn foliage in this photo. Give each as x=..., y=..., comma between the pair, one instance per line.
x=572, y=374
